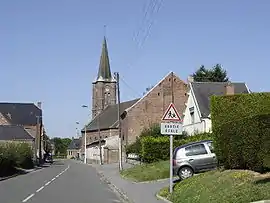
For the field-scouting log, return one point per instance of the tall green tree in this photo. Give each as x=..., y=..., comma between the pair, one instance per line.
x=214, y=74
x=61, y=145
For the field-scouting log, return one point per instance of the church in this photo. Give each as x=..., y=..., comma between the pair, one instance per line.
x=136, y=114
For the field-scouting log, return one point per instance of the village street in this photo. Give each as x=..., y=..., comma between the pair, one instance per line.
x=62, y=182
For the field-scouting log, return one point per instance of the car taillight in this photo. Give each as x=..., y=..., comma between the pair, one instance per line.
x=174, y=162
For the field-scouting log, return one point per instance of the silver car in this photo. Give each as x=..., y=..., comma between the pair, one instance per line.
x=193, y=158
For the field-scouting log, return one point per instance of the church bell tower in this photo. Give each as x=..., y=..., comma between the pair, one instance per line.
x=104, y=86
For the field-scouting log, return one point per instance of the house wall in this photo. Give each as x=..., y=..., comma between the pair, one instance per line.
x=72, y=153
x=152, y=106
x=93, y=136
x=3, y=120
x=198, y=125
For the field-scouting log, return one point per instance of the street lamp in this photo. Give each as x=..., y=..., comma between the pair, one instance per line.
x=84, y=106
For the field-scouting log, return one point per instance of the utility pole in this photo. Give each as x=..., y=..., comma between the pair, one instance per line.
x=85, y=144
x=119, y=122
x=38, y=140
x=171, y=143
x=99, y=141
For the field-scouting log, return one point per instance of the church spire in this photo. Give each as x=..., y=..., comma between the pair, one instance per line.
x=104, y=72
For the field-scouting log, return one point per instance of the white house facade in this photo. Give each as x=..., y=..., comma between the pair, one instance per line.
x=192, y=122
x=197, y=117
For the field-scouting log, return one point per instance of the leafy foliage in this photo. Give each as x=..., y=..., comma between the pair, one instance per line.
x=215, y=74
x=14, y=155
x=61, y=145
x=241, y=125
x=158, y=148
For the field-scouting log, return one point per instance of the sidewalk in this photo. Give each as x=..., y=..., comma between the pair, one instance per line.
x=136, y=192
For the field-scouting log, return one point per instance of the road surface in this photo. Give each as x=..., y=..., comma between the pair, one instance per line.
x=62, y=182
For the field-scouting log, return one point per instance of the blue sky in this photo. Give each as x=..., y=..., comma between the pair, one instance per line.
x=49, y=50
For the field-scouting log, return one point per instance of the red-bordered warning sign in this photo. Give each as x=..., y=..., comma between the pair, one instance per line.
x=171, y=114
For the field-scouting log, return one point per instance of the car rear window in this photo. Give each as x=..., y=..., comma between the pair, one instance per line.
x=196, y=149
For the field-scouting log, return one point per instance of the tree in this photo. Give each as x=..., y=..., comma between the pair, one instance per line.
x=215, y=74
x=61, y=145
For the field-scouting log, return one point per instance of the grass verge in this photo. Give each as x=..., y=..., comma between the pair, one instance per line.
x=232, y=186
x=148, y=172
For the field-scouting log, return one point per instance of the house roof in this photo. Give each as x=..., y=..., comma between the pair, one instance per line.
x=204, y=90
x=21, y=113
x=75, y=143
x=14, y=132
x=108, y=118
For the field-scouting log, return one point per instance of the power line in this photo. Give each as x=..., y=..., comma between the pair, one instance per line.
x=134, y=91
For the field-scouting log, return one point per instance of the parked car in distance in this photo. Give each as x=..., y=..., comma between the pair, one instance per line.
x=193, y=158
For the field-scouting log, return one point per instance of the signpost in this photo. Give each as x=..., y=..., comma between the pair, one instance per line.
x=173, y=127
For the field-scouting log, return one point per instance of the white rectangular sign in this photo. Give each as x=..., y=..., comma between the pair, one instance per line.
x=171, y=128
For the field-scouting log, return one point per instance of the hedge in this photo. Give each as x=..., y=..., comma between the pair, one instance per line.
x=13, y=155
x=241, y=128
x=158, y=148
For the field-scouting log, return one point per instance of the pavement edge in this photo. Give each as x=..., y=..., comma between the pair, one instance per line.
x=113, y=187
x=163, y=198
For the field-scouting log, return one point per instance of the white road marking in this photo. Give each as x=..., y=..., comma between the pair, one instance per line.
x=27, y=198
x=30, y=196
x=47, y=183
x=40, y=189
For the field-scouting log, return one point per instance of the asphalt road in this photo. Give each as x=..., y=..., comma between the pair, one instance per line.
x=63, y=182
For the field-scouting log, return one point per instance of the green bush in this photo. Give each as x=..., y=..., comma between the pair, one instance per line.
x=25, y=159
x=158, y=148
x=14, y=155
x=241, y=125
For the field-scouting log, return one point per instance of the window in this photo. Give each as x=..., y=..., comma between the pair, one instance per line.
x=192, y=117
x=158, y=94
x=194, y=150
x=211, y=147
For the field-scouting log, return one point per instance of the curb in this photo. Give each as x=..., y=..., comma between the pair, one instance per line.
x=113, y=187
x=21, y=172
x=163, y=198
x=8, y=177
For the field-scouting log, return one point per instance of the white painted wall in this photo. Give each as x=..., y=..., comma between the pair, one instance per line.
x=199, y=126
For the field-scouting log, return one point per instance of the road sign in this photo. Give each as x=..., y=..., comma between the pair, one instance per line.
x=171, y=114
x=171, y=128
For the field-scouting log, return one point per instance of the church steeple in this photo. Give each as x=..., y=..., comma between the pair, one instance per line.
x=104, y=87
x=104, y=71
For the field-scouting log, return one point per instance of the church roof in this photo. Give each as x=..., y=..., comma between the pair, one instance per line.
x=104, y=71
x=108, y=118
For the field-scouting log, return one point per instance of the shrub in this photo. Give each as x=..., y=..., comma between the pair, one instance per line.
x=156, y=149
x=14, y=155
x=241, y=125
x=25, y=159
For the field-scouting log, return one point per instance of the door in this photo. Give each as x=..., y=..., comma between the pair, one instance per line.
x=198, y=156
x=211, y=151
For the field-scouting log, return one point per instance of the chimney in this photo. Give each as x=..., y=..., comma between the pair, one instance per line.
x=39, y=105
x=229, y=89
x=190, y=79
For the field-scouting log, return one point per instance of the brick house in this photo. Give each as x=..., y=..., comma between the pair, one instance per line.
x=26, y=115
x=135, y=114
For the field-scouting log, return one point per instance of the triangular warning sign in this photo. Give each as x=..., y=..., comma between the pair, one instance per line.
x=171, y=114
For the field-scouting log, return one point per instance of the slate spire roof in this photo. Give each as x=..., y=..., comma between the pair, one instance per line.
x=104, y=72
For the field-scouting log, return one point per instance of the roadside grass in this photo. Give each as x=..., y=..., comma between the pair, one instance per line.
x=230, y=186
x=147, y=172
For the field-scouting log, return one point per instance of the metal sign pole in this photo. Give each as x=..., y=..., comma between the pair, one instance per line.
x=171, y=163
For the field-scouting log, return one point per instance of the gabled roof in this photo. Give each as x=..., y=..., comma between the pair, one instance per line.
x=14, y=132
x=21, y=113
x=204, y=90
x=75, y=143
x=108, y=118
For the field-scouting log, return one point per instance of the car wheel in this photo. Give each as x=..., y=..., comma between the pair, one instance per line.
x=185, y=172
